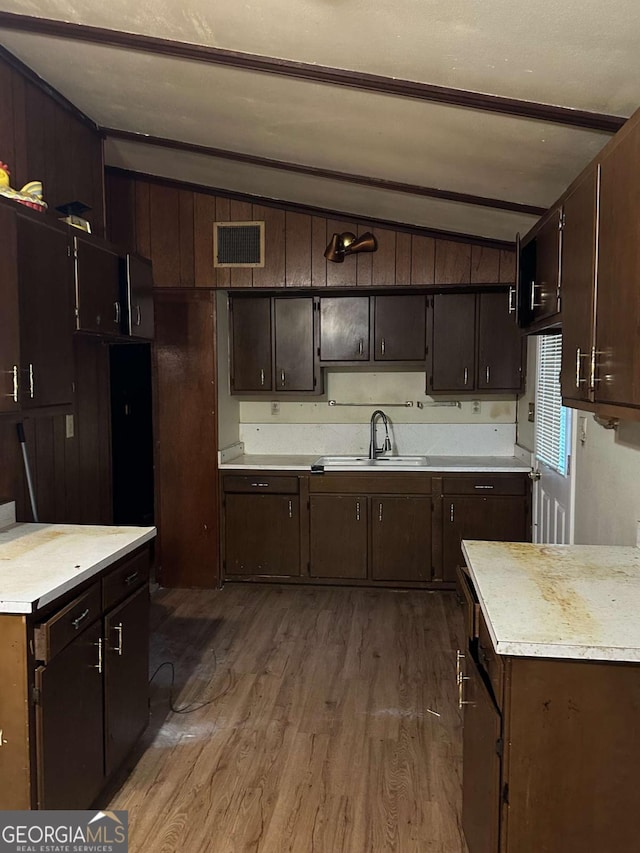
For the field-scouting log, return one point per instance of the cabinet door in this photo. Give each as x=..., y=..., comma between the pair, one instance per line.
x=344, y=328
x=126, y=677
x=498, y=519
x=294, y=344
x=137, y=298
x=499, y=345
x=46, y=315
x=250, y=344
x=399, y=328
x=69, y=725
x=262, y=535
x=618, y=301
x=452, y=355
x=338, y=536
x=481, y=763
x=542, y=287
x=578, y=287
x=401, y=538
x=98, y=307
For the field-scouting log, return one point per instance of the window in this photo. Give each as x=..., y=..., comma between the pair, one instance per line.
x=552, y=419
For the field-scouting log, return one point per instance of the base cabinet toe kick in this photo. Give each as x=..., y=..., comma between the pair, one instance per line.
x=550, y=747
x=74, y=696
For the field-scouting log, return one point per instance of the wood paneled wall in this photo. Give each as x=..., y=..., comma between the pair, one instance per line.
x=42, y=140
x=174, y=227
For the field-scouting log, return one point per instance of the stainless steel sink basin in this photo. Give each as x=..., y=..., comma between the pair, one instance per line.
x=325, y=462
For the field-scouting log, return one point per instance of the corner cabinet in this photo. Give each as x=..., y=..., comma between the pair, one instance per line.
x=540, y=283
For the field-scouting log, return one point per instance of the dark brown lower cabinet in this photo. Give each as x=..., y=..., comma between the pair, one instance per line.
x=126, y=673
x=262, y=534
x=481, y=778
x=338, y=536
x=497, y=518
x=400, y=538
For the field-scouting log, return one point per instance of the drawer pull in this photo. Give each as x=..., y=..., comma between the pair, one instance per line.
x=261, y=485
x=262, y=376
x=460, y=680
x=131, y=578
x=290, y=510
x=76, y=622
x=31, y=380
x=483, y=487
x=98, y=665
x=118, y=629
x=357, y=510
x=451, y=513
x=380, y=511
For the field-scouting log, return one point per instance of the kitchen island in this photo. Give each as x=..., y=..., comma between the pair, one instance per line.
x=549, y=683
x=74, y=611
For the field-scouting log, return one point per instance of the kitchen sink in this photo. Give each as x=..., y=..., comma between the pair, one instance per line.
x=325, y=462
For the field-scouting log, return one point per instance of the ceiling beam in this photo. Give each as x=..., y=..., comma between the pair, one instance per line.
x=313, y=73
x=330, y=174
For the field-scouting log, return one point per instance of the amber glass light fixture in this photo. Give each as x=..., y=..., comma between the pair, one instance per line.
x=347, y=243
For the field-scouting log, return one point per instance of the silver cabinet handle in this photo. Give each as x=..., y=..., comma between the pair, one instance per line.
x=290, y=510
x=31, y=380
x=360, y=347
x=282, y=377
x=382, y=346
x=261, y=485
x=78, y=620
x=15, y=383
x=116, y=316
x=451, y=513
x=512, y=301
x=118, y=648
x=593, y=380
x=262, y=375
x=357, y=510
x=131, y=578
x=98, y=665
x=466, y=375
x=579, y=356
x=488, y=374
x=138, y=316
x=481, y=487
x=535, y=304
x=380, y=511
x=460, y=680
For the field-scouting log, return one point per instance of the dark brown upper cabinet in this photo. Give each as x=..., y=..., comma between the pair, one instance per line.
x=579, y=239
x=250, y=344
x=474, y=344
x=97, y=284
x=344, y=328
x=136, y=296
x=36, y=350
x=499, y=361
x=273, y=345
x=539, y=296
x=399, y=324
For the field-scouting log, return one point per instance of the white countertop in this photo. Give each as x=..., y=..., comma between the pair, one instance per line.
x=559, y=601
x=40, y=562
x=445, y=464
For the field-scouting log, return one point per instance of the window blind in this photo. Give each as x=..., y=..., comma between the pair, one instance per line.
x=551, y=416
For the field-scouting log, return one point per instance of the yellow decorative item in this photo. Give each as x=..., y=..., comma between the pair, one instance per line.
x=30, y=194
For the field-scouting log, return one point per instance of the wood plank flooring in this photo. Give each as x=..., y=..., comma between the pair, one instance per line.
x=333, y=727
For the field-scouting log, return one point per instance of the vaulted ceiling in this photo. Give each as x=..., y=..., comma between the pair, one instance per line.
x=467, y=116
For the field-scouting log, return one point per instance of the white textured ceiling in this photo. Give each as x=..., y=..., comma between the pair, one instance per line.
x=580, y=53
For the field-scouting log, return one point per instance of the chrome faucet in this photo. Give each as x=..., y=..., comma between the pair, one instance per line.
x=374, y=451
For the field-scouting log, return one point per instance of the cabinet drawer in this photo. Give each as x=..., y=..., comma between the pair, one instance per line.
x=491, y=662
x=372, y=484
x=260, y=483
x=124, y=579
x=464, y=587
x=478, y=485
x=60, y=629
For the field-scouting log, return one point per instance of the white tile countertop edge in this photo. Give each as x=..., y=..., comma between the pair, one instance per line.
x=446, y=464
x=36, y=568
x=589, y=592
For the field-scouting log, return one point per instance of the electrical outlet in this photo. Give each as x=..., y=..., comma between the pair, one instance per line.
x=275, y=407
x=531, y=415
x=475, y=407
x=69, y=430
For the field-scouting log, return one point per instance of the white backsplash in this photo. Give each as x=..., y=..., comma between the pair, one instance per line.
x=433, y=439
